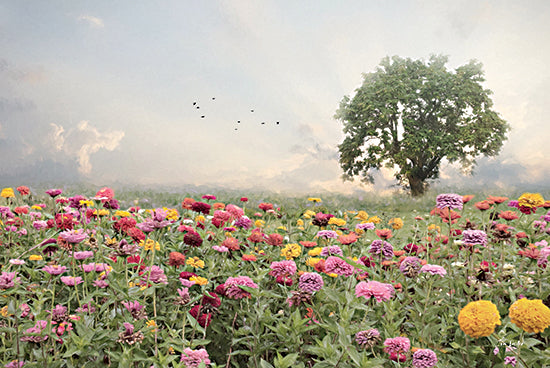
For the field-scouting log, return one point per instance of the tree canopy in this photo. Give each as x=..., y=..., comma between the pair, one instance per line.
x=409, y=115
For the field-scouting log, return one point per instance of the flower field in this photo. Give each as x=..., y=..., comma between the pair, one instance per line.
x=218, y=283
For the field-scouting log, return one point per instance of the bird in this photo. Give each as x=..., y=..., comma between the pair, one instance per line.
x=263, y=122
x=251, y=110
x=277, y=123
x=198, y=107
x=213, y=98
x=202, y=116
x=238, y=121
x=194, y=103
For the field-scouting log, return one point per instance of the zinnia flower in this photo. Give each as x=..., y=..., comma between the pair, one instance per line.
x=530, y=200
x=381, y=292
x=474, y=237
x=450, y=201
x=530, y=315
x=338, y=266
x=381, y=247
x=397, y=345
x=433, y=270
x=331, y=250
x=424, y=358
x=479, y=318
x=233, y=289
x=310, y=282
x=367, y=338
x=54, y=269
x=71, y=280
x=7, y=280
x=283, y=268
x=291, y=251
x=193, y=358
x=7, y=193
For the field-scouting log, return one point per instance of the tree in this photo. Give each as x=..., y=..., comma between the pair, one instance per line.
x=409, y=115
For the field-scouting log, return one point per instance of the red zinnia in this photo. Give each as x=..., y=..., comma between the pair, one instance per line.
x=467, y=198
x=383, y=233
x=483, y=205
x=265, y=206
x=176, y=259
x=64, y=221
x=508, y=215
x=256, y=236
x=249, y=257
x=308, y=244
x=231, y=243
x=350, y=238
x=136, y=234
x=274, y=239
x=193, y=239
x=497, y=200
x=23, y=190
x=105, y=192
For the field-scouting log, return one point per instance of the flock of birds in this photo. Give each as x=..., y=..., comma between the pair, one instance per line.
x=197, y=107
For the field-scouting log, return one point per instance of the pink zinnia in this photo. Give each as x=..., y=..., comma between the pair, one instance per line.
x=83, y=255
x=433, y=269
x=381, y=292
x=397, y=345
x=71, y=280
x=282, y=268
x=7, y=280
x=233, y=290
x=54, y=269
x=154, y=274
x=193, y=358
x=338, y=266
x=73, y=236
x=54, y=192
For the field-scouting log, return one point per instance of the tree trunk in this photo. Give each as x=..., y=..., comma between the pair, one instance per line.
x=417, y=186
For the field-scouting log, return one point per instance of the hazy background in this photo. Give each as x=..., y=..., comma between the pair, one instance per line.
x=102, y=92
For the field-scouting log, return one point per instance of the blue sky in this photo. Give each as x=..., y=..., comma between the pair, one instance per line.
x=102, y=91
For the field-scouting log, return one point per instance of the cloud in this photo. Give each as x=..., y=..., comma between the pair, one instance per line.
x=26, y=74
x=83, y=141
x=2, y=135
x=92, y=21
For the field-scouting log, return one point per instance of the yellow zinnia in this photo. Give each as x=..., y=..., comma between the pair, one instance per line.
x=309, y=214
x=314, y=199
x=396, y=223
x=315, y=251
x=479, y=319
x=362, y=215
x=259, y=223
x=149, y=244
x=374, y=220
x=199, y=280
x=195, y=262
x=336, y=221
x=171, y=213
x=291, y=251
x=530, y=315
x=120, y=213
x=35, y=257
x=7, y=193
x=312, y=261
x=531, y=200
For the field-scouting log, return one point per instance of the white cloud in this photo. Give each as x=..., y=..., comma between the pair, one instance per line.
x=2, y=135
x=94, y=22
x=83, y=141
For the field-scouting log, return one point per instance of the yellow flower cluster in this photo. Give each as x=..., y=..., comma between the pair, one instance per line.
x=199, y=280
x=312, y=261
x=35, y=257
x=374, y=220
x=531, y=200
x=195, y=262
x=362, y=215
x=101, y=212
x=314, y=199
x=291, y=251
x=336, y=221
x=7, y=193
x=86, y=203
x=149, y=244
x=259, y=223
x=172, y=214
x=530, y=315
x=479, y=319
x=309, y=214
x=315, y=251
x=120, y=213
x=396, y=223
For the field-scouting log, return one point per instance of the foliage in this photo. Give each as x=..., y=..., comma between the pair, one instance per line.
x=262, y=329
x=409, y=115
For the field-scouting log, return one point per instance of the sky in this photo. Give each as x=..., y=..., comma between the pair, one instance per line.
x=102, y=92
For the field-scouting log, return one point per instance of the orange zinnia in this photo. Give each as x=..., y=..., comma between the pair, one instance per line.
x=383, y=233
x=497, y=200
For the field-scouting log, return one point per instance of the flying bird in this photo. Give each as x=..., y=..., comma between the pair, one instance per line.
x=251, y=110
x=202, y=116
x=194, y=103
